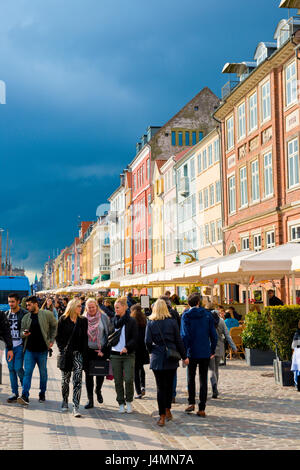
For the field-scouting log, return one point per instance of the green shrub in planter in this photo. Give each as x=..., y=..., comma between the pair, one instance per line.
x=257, y=332
x=283, y=321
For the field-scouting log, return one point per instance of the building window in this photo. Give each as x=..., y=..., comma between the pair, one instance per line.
x=213, y=232
x=173, y=138
x=230, y=133
x=212, y=195
x=257, y=242
x=204, y=159
x=290, y=84
x=210, y=156
x=148, y=169
x=266, y=101
x=206, y=234
x=201, y=206
x=283, y=35
x=245, y=243
x=270, y=239
x=217, y=150
x=255, y=181
x=218, y=191
x=187, y=138
x=243, y=187
x=194, y=138
x=205, y=198
x=200, y=136
x=253, y=112
x=293, y=163
x=232, y=202
x=192, y=168
x=268, y=174
x=199, y=162
x=295, y=233
x=180, y=138
x=241, y=121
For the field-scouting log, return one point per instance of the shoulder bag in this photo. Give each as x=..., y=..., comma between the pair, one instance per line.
x=114, y=338
x=64, y=360
x=172, y=354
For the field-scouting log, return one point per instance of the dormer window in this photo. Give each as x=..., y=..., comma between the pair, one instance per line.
x=282, y=33
x=261, y=54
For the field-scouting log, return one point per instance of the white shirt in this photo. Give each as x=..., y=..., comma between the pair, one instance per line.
x=121, y=343
x=15, y=333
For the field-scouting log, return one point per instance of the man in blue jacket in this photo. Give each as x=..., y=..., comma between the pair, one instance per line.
x=200, y=339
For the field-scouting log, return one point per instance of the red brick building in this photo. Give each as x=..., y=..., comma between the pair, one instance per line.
x=260, y=149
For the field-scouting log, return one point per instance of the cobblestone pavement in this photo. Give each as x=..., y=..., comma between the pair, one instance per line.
x=252, y=412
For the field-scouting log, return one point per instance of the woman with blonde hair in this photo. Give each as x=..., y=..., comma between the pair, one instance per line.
x=99, y=328
x=123, y=354
x=72, y=342
x=166, y=347
x=49, y=305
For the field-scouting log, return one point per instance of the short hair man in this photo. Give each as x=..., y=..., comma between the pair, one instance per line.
x=200, y=339
x=273, y=300
x=39, y=330
x=14, y=316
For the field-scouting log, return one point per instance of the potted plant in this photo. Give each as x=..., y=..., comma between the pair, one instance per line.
x=283, y=322
x=256, y=340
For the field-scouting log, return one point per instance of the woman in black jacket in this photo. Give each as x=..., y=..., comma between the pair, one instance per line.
x=72, y=332
x=141, y=353
x=162, y=332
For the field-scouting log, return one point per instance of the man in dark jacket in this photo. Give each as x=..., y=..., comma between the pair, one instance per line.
x=273, y=300
x=5, y=335
x=14, y=316
x=123, y=355
x=200, y=339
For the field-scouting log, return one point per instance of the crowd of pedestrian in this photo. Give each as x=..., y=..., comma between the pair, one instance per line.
x=116, y=342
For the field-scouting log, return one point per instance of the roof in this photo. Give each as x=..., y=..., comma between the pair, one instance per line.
x=160, y=163
x=289, y=4
x=238, y=67
x=179, y=155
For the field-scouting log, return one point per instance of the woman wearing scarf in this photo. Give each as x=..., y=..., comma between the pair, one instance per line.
x=214, y=363
x=98, y=330
x=123, y=354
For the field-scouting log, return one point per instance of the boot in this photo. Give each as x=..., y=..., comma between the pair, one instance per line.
x=215, y=391
x=298, y=383
x=161, y=421
x=169, y=415
x=90, y=403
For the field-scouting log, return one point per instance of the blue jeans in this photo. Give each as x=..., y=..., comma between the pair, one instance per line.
x=30, y=360
x=15, y=367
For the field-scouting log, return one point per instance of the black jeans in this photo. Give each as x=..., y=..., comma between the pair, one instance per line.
x=139, y=377
x=203, y=373
x=164, y=383
x=89, y=382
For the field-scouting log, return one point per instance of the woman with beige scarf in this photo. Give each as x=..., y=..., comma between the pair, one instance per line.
x=98, y=330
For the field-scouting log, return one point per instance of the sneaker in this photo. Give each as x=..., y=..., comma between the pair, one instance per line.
x=76, y=413
x=128, y=408
x=143, y=392
x=64, y=407
x=138, y=397
x=121, y=409
x=42, y=397
x=12, y=398
x=23, y=400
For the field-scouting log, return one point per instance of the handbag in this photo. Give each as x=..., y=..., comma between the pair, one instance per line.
x=64, y=359
x=114, y=338
x=172, y=354
x=99, y=366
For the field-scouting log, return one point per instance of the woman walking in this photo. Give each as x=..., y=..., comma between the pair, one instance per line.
x=72, y=342
x=141, y=353
x=162, y=334
x=98, y=330
x=48, y=305
x=123, y=354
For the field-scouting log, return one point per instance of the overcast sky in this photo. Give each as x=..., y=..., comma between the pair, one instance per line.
x=84, y=79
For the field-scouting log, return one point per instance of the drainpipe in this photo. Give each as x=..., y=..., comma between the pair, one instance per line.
x=221, y=179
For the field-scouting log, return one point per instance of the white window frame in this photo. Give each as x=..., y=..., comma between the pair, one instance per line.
x=206, y=198
x=242, y=121
x=295, y=227
x=206, y=234
x=204, y=162
x=230, y=133
x=245, y=243
x=217, y=150
x=219, y=230
x=213, y=232
x=200, y=162
x=210, y=155
x=293, y=163
x=257, y=242
x=255, y=190
x=232, y=194
x=268, y=175
x=266, y=102
x=252, y=105
x=211, y=195
x=243, y=187
x=290, y=76
x=270, y=244
x=218, y=191
x=201, y=203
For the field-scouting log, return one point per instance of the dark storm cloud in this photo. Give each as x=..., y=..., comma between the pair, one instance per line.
x=84, y=79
